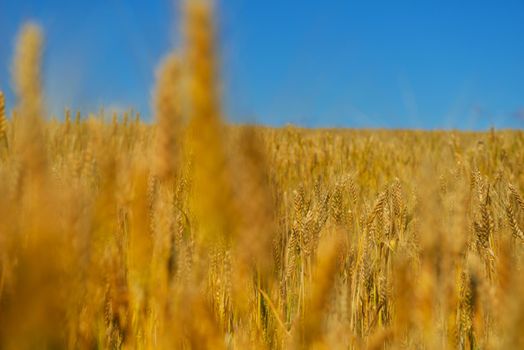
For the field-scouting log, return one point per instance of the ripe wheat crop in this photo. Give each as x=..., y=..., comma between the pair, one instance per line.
x=193, y=233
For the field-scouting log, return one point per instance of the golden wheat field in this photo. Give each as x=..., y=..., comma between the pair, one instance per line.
x=193, y=233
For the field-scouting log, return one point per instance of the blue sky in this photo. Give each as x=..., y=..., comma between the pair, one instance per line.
x=366, y=63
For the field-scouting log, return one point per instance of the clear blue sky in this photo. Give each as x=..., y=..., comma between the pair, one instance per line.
x=365, y=63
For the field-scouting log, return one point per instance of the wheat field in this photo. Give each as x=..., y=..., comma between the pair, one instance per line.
x=194, y=233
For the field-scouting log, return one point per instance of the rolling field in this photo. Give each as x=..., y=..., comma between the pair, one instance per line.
x=193, y=233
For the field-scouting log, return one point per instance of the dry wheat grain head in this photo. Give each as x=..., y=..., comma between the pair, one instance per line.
x=27, y=86
x=168, y=113
x=3, y=122
x=212, y=189
x=26, y=71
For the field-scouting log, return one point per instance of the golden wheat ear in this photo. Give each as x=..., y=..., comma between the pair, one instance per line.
x=211, y=202
x=26, y=70
x=3, y=123
x=167, y=101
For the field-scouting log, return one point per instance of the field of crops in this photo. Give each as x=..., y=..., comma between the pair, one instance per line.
x=193, y=233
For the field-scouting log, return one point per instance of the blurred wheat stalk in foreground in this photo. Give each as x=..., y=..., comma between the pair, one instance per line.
x=197, y=234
